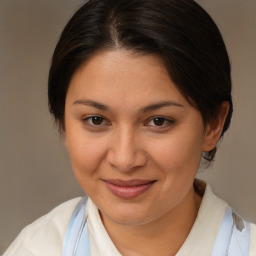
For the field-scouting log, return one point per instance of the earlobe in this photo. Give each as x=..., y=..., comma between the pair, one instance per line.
x=214, y=128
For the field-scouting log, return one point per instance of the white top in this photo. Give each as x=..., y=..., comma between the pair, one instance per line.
x=46, y=235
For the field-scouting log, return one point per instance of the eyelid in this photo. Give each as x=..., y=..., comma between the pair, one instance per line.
x=169, y=121
x=86, y=119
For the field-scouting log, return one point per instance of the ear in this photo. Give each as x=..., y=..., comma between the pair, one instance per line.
x=214, y=128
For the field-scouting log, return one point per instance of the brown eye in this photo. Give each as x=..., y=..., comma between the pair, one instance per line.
x=97, y=120
x=96, y=123
x=159, y=121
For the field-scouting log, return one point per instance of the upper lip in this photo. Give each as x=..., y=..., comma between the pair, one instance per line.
x=129, y=183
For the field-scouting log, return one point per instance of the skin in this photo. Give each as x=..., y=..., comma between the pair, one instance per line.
x=127, y=142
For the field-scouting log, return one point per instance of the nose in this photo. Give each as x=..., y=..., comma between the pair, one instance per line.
x=125, y=154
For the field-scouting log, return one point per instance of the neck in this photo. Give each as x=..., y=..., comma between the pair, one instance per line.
x=163, y=236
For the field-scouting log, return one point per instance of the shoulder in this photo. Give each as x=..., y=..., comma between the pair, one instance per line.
x=44, y=236
x=226, y=226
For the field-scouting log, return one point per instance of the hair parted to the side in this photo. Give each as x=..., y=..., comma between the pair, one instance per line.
x=179, y=31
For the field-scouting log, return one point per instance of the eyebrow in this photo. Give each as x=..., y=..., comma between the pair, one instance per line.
x=148, y=108
x=91, y=103
x=158, y=105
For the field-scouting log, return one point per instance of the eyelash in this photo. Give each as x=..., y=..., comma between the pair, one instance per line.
x=166, y=122
x=89, y=121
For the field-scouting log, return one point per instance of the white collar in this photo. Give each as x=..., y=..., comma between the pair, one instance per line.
x=99, y=240
x=202, y=236
x=199, y=241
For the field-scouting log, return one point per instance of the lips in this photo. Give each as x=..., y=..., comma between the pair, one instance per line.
x=128, y=189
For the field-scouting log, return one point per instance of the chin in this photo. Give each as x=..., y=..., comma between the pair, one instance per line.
x=128, y=216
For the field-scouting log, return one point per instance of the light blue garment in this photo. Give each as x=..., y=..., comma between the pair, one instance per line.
x=233, y=238
x=76, y=242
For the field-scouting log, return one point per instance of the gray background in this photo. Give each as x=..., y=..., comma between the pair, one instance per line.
x=35, y=173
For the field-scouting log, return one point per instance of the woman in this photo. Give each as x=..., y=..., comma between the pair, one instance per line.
x=141, y=92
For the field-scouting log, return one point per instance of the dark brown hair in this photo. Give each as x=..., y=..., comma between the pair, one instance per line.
x=179, y=31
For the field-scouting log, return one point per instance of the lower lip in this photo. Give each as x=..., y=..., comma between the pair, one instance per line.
x=128, y=192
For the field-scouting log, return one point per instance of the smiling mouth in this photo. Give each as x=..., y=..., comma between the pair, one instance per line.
x=128, y=189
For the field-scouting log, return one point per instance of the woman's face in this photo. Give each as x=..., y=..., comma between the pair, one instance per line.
x=134, y=141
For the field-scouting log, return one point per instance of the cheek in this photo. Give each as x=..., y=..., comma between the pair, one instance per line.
x=86, y=157
x=86, y=153
x=178, y=154
x=178, y=159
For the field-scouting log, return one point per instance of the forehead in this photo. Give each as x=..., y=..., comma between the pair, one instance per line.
x=119, y=74
x=119, y=63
